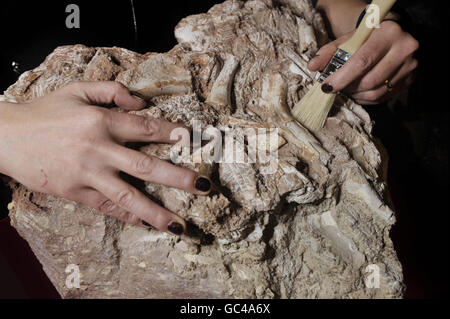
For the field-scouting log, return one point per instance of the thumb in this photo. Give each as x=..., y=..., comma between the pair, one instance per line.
x=107, y=92
x=324, y=55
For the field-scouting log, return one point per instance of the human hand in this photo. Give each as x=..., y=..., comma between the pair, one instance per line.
x=63, y=144
x=388, y=54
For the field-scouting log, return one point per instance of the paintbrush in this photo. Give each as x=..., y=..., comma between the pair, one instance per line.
x=312, y=110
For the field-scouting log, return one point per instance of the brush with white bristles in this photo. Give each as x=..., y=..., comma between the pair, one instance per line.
x=312, y=110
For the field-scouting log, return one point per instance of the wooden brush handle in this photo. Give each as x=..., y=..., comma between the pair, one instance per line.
x=363, y=32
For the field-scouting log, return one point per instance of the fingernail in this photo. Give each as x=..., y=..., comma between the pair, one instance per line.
x=202, y=184
x=175, y=228
x=143, y=222
x=326, y=88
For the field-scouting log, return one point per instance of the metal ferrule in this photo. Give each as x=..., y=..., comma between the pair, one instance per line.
x=338, y=60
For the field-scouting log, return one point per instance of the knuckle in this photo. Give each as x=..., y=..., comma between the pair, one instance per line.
x=393, y=28
x=124, y=198
x=151, y=127
x=93, y=116
x=107, y=207
x=144, y=165
x=117, y=86
x=412, y=43
x=364, y=61
x=98, y=115
x=132, y=219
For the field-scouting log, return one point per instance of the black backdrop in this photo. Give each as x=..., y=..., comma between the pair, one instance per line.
x=415, y=134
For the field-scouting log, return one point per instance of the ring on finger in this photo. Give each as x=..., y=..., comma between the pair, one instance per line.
x=389, y=85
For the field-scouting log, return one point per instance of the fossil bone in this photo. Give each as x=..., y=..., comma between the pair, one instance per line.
x=273, y=97
x=220, y=92
x=157, y=75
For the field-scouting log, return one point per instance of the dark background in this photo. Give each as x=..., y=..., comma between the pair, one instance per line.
x=415, y=133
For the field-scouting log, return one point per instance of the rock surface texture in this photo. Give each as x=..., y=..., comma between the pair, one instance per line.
x=316, y=227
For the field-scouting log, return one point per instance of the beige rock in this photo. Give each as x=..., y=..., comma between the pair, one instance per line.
x=316, y=226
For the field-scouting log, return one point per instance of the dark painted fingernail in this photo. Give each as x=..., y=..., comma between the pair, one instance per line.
x=143, y=222
x=326, y=88
x=175, y=228
x=202, y=184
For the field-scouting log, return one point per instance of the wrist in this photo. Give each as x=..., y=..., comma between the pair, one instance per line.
x=341, y=15
x=10, y=123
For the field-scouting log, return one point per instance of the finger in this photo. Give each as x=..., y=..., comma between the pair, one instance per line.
x=155, y=170
x=393, y=63
x=131, y=200
x=381, y=94
x=324, y=55
x=374, y=96
x=100, y=202
x=407, y=70
x=107, y=92
x=385, y=69
x=359, y=64
x=129, y=127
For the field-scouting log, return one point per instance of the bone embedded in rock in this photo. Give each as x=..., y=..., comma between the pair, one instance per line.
x=299, y=64
x=195, y=35
x=157, y=75
x=273, y=99
x=219, y=97
x=363, y=191
x=307, y=38
x=263, y=139
x=326, y=224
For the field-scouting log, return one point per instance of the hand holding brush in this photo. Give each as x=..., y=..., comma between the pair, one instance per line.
x=380, y=64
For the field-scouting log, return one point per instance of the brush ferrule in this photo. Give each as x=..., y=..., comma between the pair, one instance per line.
x=338, y=60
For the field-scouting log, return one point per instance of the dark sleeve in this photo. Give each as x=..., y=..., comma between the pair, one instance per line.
x=422, y=17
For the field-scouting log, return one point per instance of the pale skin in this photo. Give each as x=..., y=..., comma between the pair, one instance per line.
x=66, y=144
x=388, y=54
